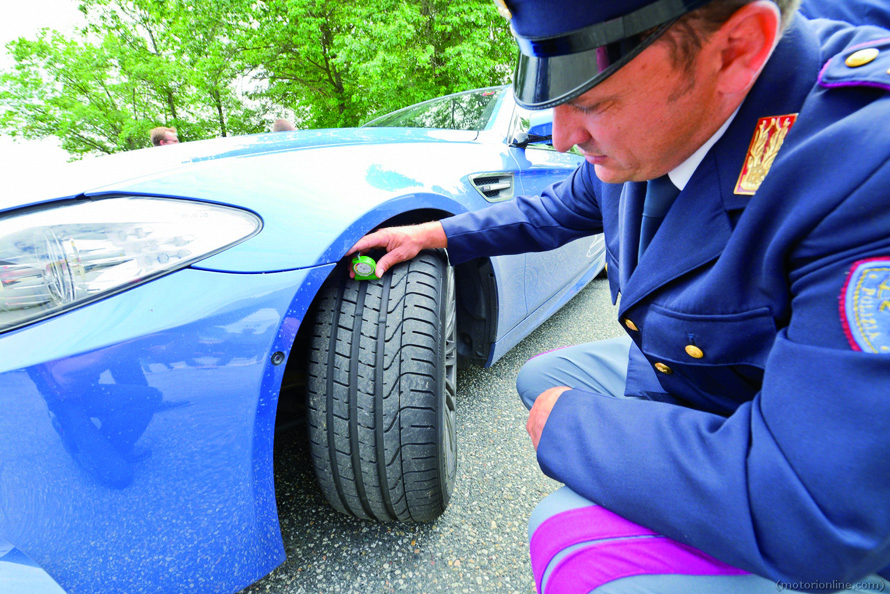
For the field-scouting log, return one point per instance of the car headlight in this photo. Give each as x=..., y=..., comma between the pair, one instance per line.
x=70, y=253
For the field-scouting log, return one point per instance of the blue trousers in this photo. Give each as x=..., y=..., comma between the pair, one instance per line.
x=578, y=547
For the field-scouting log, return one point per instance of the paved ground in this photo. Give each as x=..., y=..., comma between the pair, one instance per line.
x=479, y=544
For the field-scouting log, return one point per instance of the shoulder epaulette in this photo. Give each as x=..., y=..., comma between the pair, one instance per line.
x=863, y=65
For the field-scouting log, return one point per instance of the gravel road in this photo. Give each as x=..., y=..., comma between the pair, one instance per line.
x=478, y=545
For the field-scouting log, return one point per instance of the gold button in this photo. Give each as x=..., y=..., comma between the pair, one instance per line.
x=630, y=324
x=862, y=57
x=694, y=352
x=663, y=368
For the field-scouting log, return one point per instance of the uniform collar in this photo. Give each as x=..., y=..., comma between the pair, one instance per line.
x=681, y=174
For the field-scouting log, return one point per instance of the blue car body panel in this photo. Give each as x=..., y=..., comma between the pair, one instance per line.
x=161, y=418
x=138, y=429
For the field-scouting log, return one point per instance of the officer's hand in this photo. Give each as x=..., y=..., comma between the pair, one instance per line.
x=540, y=412
x=400, y=243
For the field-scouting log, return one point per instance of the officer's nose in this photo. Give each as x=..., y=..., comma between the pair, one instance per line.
x=568, y=128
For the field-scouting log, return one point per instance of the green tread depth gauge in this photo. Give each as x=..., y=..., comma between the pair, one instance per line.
x=364, y=268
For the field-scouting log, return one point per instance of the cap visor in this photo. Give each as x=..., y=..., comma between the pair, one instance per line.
x=541, y=82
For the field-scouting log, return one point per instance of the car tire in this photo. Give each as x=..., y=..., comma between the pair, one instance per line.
x=381, y=392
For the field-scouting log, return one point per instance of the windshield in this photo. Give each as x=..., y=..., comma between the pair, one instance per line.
x=472, y=110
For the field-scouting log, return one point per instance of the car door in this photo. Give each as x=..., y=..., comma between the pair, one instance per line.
x=548, y=273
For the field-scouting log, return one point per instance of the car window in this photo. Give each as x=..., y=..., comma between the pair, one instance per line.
x=465, y=111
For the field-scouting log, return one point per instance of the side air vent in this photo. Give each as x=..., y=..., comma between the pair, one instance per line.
x=494, y=187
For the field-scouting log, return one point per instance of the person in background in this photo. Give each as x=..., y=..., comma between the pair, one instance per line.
x=162, y=136
x=737, y=161
x=282, y=125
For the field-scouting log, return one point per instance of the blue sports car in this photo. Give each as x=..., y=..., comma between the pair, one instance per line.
x=163, y=311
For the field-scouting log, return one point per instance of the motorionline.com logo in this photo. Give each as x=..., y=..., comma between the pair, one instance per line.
x=832, y=586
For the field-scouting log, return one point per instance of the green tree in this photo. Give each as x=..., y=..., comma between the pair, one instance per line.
x=430, y=48
x=341, y=63
x=183, y=63
x=74, y=91
x=294, y=56
x=136, y=65
x=185, y=52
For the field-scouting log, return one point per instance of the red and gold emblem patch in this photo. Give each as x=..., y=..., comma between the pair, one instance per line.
x=765, y=145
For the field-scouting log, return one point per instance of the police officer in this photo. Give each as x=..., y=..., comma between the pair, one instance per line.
x=737, y=163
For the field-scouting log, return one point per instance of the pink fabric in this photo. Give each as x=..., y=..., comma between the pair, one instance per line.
x=575, y=526
x=592, y=566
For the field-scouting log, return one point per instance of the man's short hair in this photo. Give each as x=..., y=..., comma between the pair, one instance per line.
x=690, y=32
x=158, y=134
x=718, y=12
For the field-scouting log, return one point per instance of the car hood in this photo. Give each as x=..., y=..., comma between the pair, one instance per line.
x=91, y=173
x=316, y=191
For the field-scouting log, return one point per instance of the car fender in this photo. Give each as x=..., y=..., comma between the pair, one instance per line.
x=275, y=249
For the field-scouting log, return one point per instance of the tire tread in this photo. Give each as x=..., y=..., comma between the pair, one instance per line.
x=376, y=457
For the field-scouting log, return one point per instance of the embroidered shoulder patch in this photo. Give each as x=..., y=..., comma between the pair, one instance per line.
x=865, y=306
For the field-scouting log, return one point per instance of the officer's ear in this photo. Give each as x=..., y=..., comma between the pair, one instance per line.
x=744, y=43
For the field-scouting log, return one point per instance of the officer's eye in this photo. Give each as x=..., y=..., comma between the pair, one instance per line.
x=586, y=109
x=592, y=108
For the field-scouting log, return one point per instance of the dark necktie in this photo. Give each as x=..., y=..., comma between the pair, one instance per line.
x=660, y=195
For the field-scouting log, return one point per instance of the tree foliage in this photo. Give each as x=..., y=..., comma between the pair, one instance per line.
x=224, y=67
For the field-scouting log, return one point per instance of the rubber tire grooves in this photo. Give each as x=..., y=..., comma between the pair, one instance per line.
x=397, y=476
x=379, y=442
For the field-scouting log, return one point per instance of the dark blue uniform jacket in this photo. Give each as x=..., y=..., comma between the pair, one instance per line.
x=858, y=12
x=777, y=458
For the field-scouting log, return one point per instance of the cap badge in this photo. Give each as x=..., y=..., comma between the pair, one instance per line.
x=768, y=138
x=503, y=10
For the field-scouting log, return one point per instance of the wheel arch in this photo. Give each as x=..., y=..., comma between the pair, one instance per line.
x=477, y=309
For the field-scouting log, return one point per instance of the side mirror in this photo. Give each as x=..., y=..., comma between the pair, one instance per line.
x=542, y=125
x=540, y=130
